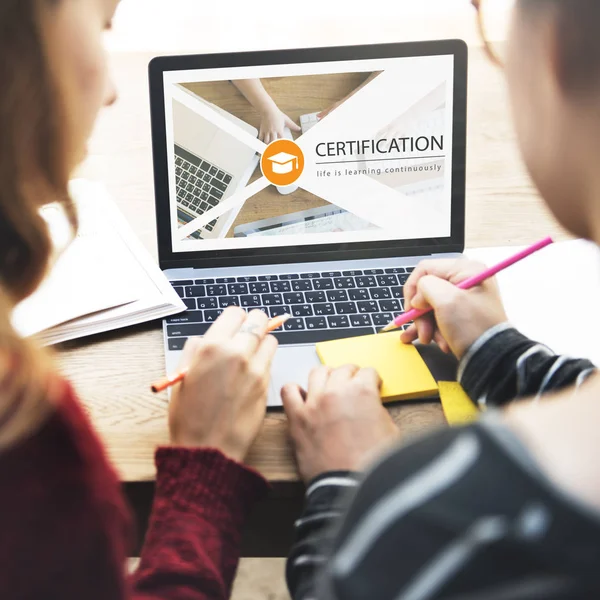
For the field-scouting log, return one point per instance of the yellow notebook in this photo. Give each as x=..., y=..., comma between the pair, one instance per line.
x=459, y=409
x=404, y=373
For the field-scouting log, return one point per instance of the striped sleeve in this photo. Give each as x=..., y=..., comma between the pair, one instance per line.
x=503, y=365
x=459, y=514
x=437, y=498
x=326, y=498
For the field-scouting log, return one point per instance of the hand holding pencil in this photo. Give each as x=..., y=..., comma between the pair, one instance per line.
x=166, y=382
x=222, y=401
x=459, y=316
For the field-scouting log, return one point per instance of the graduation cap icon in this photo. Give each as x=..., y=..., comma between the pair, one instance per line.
x=284, y=162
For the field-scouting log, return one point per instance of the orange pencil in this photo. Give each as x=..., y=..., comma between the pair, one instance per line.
x=166, y=382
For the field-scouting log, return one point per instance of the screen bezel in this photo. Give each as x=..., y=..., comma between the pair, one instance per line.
x=314, y=252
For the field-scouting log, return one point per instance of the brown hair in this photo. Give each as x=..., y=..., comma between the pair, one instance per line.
x=32, y=154
x=579, y=51
x=33, y=171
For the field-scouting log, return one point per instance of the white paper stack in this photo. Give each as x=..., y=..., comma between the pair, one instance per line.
x=103, y=280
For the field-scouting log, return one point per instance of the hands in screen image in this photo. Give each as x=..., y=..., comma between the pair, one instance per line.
x=338, y=422
x=273, y=120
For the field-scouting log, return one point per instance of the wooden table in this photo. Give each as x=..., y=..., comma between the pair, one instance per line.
x=111, y=372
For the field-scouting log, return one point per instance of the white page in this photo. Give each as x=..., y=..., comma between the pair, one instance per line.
x=95, y=272
x=553, y=296
x=155, y=297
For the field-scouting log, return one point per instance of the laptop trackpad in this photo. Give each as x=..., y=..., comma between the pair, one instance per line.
x=292, y=364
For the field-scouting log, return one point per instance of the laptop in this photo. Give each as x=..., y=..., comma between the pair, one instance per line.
x=380, y=186
x=210, y=164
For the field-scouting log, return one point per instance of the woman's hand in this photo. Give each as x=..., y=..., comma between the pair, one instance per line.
x=222, y=401
x=273, y=120
x=339, y=423
x=273, y=123
x=460, y=317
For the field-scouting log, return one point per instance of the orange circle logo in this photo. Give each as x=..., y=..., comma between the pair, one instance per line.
x=282, y=162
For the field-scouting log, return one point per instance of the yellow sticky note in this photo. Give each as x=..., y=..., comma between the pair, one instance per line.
x=458, y=408
x=404, y=373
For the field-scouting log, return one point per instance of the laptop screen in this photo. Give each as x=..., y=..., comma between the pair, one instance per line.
x=310, y=154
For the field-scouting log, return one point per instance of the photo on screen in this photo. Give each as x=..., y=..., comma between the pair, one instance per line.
x=306, y=158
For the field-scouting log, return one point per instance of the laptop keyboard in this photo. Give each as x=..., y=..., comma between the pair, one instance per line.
x=324, y=305
x=200, y=187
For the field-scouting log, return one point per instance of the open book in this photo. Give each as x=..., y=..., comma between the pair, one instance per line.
x=103, y=280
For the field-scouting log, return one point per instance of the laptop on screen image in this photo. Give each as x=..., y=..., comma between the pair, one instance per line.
x=210, y=164
x=325, y=224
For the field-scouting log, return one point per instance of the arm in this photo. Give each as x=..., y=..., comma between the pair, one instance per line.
x=192, y=546
x=436, y=519
x=336, y=426
x=273, y=121
x=504, y=365
x=203, y=493
x=65, y=527
x=319, y=566
x=500, y=366
x=325, y=503
x=254, y=91
x=497, y=363
x=378, y=545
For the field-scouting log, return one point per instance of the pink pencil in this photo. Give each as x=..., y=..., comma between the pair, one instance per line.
x=413, y=314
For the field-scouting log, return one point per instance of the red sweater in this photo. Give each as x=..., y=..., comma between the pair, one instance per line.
x=65, y=529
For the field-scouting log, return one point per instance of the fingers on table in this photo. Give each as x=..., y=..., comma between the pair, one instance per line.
x=292, y=124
